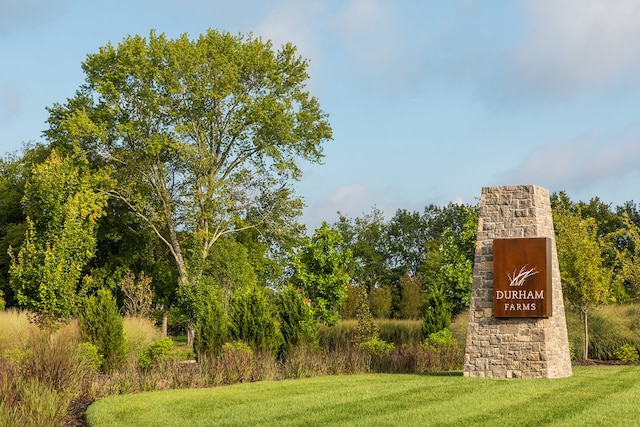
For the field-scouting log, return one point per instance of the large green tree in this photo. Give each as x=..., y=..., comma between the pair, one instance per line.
x=203, y=136
x=62, y=206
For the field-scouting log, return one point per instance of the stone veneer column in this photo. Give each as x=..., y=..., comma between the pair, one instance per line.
x=514, y=347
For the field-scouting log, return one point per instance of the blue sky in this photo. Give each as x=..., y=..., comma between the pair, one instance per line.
x=429, y=100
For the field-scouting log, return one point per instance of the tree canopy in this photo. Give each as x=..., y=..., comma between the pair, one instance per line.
x=203, y=136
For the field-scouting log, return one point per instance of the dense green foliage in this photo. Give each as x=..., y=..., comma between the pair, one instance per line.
x=320, y=269
x=297, y=323
x=204, y=136
x=253, y=319
x=62, y=205
x=155, y=352
x=212, y=324
x=437, y=314
x=102, y=325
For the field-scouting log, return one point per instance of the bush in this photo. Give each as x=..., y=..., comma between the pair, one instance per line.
x=366, y=330
x=90, y=356
x=212, y=327
x=375, y=347
x=445, y=349
x=102, y=325
x=440, y=339
x=156, y=351
x=436, y=312
x=627, y=354
x=297, y=324
x=253, y=320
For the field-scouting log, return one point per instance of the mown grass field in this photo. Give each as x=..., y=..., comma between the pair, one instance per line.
x=593, y=396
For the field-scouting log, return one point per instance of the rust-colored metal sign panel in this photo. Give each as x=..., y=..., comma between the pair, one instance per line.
x=522, y=277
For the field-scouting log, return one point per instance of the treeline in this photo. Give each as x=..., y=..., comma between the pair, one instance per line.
x=167, y=185
x=393, y=260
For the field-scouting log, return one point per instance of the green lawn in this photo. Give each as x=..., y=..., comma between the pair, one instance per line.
x=593, y=396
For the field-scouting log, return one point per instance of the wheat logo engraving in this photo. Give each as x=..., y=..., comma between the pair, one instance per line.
x=517, y=278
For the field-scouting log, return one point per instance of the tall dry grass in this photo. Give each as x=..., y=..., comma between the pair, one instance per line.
x=40, y=376
x=139, y=332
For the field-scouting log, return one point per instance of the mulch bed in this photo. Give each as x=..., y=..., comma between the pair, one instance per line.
x=77, y=416
x=594, y=362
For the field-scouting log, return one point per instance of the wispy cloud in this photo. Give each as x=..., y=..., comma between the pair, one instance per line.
x=292, y=21
x=573, y=45
x=352, y=201
x=581, y=163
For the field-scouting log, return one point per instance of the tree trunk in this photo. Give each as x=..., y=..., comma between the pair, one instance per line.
x=190, y=334
x=165, y=321
x=586, y=335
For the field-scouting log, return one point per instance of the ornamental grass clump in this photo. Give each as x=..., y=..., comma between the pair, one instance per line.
x=39, y=381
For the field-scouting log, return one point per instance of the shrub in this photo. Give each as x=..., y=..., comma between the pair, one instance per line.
x=253, y=321
x=366, y=330
x=440, y=339
x=158, y=350
x=89, y=356
x=102, y=325
x=436, y=312
x=445, y=349
x=375, y=347
x=297, y=324
x=627, y=354
x=212, y=327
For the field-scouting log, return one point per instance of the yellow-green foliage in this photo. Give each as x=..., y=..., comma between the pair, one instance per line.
x=139, y=332
x=627, y=354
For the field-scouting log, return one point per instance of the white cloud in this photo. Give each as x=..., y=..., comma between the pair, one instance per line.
x=292, y=21
x=584, y=163
x=352, y=201
x=575, y=44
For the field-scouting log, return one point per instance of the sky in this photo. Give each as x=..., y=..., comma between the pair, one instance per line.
x=429, y=100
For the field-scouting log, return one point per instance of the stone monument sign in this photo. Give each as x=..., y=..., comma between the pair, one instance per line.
x=517, y=326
